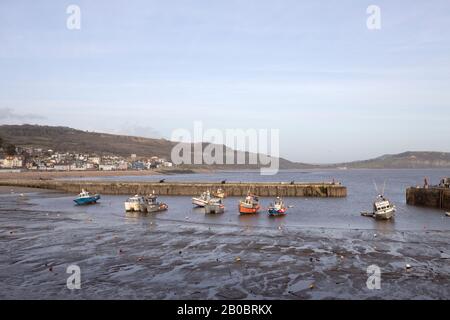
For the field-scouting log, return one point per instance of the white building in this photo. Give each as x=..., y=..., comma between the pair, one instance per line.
x=106, y=167
x=12, y=162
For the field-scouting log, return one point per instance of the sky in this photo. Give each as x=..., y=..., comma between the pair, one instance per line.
x=337, y=90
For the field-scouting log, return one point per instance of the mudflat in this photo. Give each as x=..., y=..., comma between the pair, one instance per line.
x=37, y=175
x=133, y=256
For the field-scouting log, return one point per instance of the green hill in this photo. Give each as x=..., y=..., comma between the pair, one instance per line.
x=66, y=139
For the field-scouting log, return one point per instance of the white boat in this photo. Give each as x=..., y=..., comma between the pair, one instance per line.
x=215, y=205
x=135, y=203
x=383, y=209
x=447, y=214
x=202, y=200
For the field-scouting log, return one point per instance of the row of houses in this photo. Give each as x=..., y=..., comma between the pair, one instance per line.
x=49, y=160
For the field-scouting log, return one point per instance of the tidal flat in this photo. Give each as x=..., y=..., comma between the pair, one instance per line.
x=183, y=257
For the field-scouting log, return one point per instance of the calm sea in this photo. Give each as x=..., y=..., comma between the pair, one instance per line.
x=343, y=213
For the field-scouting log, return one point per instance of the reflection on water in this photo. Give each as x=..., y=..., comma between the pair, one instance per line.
x=384, y=226
x=339, y=213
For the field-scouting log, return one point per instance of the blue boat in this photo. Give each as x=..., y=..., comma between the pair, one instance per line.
x=277, y=208
x=85, y=198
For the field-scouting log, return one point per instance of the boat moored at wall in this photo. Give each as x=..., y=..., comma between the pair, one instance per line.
x=220, y=193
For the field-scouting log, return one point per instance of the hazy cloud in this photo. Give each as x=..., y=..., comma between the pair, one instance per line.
x=10, y=114
x=137, y=130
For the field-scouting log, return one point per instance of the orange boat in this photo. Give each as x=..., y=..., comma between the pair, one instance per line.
x=249, y=205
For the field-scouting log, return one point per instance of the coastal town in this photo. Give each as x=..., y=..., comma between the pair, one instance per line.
x=37, y=159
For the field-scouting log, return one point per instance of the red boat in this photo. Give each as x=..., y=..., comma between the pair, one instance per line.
x=249, y=205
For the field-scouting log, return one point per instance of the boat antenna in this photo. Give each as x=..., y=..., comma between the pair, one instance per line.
x=376, y=187
x=384, y=187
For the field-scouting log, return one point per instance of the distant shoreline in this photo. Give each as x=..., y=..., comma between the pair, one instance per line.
x=50, y=175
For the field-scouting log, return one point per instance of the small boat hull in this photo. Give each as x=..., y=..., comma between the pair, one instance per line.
x=87, y=200
x=247, y=210
x=199, y=202
x=384, y=215
x=157, y=207
x=132, y=206
x=214, y=208
x=277, y=212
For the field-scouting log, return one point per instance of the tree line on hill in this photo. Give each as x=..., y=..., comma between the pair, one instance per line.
x=8, y=148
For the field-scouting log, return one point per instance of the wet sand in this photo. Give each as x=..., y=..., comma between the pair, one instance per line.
x=36, y=175
x=146, y=257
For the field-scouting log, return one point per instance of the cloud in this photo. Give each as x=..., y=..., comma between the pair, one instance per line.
x=137, y=130
x=10, y=114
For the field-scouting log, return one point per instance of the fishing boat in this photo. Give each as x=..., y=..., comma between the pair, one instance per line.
x=249, y=205
x=277, y=208
x=220, y=193
x=85, y=198
x=152, y=204
x=202, y=200
x=215, y=205
x=383, y=209
x=135, y=204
